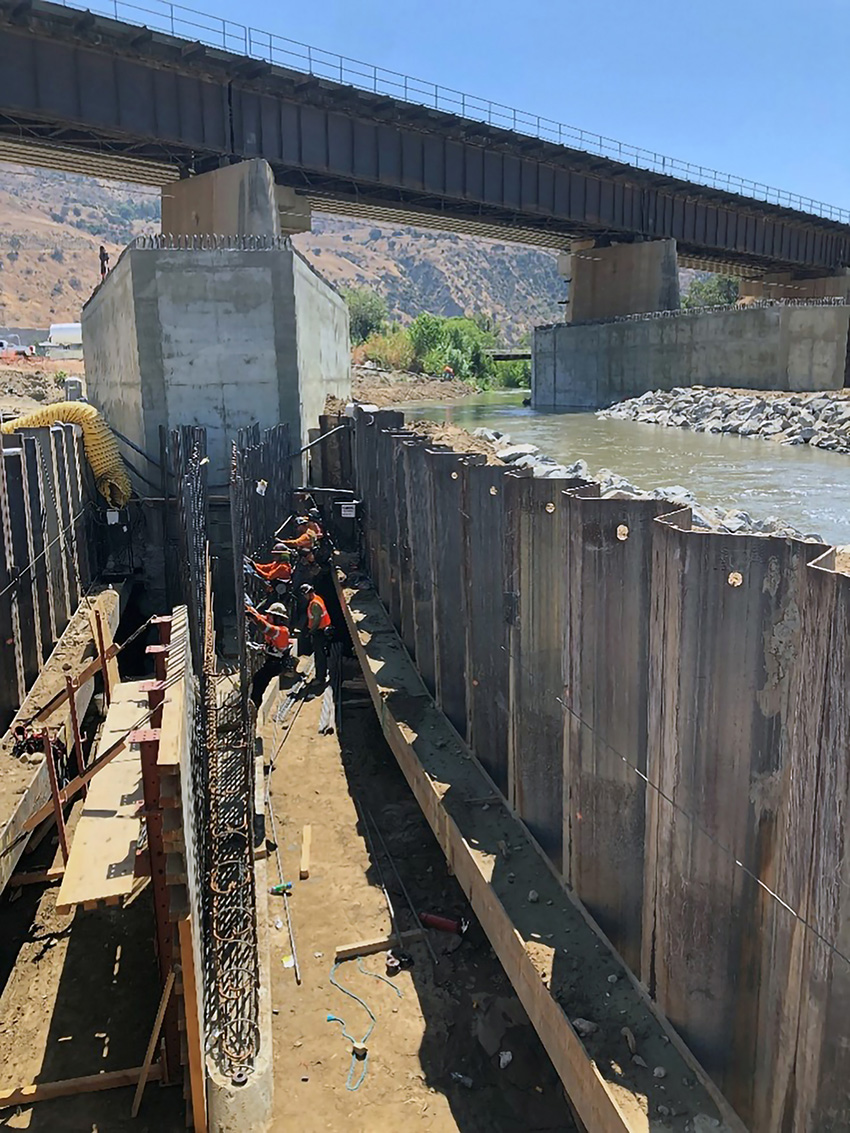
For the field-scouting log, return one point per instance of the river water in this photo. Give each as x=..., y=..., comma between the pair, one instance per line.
x=805, y=487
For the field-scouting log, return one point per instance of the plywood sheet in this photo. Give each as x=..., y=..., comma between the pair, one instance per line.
x=103, y=854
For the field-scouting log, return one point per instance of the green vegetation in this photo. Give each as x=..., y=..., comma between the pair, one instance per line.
x=367, y=314
x=715, y=291
x=432, y=344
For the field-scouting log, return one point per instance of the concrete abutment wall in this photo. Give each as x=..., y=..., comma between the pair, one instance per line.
x=666, y=710
x=593, y=365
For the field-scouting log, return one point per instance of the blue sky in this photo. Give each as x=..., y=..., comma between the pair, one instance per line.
x=756, y=88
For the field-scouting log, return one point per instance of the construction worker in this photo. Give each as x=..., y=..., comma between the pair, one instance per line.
x=305, y=539
x=277, y=643
x=314, y=517
x=274, y=624
x=320, y=630
x=279, y=570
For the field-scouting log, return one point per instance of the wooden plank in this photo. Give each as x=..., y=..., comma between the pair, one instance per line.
x=609, y=1096
x=144, y=1076
x=175, y=710
x=75, y=786
x=81, y=677
x=109, y=650
x=102, y=863
x=38, y=876
x=71, y=1087
x=306, y=842
x=197, y=1078
x=378, y=944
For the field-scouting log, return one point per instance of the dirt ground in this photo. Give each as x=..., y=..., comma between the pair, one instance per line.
x=385, y=388
x=455, y=1017
x=27, y=384
x=75, y=647
x=78, y=994
x=462, y=441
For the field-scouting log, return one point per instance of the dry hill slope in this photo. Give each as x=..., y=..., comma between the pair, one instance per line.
x=51, y=225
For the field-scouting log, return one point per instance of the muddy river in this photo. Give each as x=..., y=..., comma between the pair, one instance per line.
x=806, y=487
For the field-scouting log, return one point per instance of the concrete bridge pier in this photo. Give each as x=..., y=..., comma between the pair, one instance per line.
x=235, y=200
x=790, y=285
x=621, y=279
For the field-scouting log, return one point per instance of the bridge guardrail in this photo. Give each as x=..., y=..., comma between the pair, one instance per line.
x=228, y=35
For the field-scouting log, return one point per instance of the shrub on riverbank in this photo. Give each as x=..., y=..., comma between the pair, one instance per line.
x=432, y=344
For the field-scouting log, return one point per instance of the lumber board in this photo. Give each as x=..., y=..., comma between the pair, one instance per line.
x=38, y=876
x=147, y=1065
x=74, y=647
x=71, y=1087
x=377, y=944
x=443, y=773
x=176, y=709
x=86, y=674
x=109, y=650
x=101, y=865
x=194, y=1043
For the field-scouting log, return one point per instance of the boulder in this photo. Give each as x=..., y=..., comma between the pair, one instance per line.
x=512, y=453
x=675, y=494
x=578, y=468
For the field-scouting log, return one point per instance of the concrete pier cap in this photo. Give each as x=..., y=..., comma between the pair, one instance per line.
x=235, y=200
x=219, y=323
x=621, y=279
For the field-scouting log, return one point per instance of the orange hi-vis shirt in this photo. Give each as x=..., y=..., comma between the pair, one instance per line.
x=274, y=572
x=318, y=610
x=305, y=542
x=276, y=636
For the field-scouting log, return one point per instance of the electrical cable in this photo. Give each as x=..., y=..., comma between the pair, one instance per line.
x=60, y=538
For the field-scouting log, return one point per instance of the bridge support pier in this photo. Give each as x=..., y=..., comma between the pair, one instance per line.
x=623, y=279
x=785, y=285
x=235, y=200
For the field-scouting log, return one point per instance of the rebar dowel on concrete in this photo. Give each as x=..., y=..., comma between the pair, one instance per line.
x=403, y=887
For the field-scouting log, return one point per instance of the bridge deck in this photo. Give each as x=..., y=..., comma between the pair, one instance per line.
x=102, y=860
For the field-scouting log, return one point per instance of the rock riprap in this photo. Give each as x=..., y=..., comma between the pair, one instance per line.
x=731, y=521
x=821, y=420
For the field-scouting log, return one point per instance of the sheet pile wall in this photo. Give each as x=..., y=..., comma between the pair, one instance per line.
x=667, y=711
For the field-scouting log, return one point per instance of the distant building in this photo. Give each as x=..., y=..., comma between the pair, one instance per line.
x=65, y=340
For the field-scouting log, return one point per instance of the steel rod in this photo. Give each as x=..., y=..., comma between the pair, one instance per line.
x=361, y=814
x=54, y=791
x=407, y=896
x=289, y=927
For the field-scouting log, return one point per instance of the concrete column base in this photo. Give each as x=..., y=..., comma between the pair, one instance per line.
x=785, y=286
x=236, y=200
x=625, y=279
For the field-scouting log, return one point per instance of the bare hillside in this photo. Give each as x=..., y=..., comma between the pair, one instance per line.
x=418, y=269
x=51, y=225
